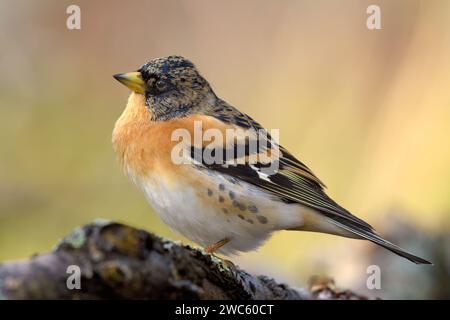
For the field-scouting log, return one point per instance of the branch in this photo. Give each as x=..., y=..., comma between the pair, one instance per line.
x=121, y=262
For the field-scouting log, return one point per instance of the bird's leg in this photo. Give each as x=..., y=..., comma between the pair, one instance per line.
x=216, y=246
x=321, y=283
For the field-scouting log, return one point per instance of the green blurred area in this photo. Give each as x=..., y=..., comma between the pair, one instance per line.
x=368, y=111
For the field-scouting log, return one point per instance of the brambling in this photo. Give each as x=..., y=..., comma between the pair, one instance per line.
x=227, y=206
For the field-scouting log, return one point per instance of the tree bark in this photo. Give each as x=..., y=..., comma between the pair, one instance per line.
x=120, y=262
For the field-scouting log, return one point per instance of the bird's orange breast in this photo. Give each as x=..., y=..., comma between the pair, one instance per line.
x=145, y=146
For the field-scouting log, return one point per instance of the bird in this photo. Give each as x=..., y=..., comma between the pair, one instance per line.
x=229, y=206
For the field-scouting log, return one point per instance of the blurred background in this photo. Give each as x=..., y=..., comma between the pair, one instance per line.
x=368, y=111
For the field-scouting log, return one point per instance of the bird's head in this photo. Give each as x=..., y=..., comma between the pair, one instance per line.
x=172, y=87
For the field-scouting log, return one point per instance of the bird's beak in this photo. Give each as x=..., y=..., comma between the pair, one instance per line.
x=132, y=80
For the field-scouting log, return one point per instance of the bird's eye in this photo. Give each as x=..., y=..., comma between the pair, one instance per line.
x=161, y=85
x=156, y=85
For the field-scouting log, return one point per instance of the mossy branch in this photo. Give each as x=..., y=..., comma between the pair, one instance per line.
x=120, y=262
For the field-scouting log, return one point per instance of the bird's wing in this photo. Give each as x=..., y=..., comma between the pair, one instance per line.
x=291, y=182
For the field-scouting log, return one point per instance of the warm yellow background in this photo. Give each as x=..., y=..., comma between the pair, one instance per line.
x=368, y=111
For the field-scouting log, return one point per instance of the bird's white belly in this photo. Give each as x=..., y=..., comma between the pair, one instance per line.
x=206, y=223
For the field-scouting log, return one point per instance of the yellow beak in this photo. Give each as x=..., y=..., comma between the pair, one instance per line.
x=132, y=80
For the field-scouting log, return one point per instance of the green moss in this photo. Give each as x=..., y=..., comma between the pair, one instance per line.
x=76, y=239
x=169, y=244
x=101, y=222
x=218, y=263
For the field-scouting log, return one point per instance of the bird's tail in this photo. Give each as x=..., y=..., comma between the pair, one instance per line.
x=368, y=234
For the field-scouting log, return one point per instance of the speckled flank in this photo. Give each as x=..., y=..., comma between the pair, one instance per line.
x=262, y=219
x=238, y=208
